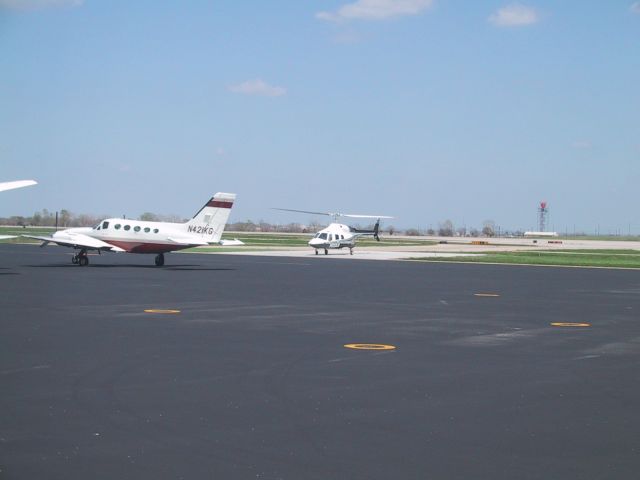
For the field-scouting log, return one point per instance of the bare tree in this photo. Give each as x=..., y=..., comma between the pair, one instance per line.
x=445, y=229
x=65, y=218
x=489, y=228
x=149, y=217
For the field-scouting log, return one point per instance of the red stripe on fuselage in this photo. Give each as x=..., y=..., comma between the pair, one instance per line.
x=146, y=247
x=219, y=204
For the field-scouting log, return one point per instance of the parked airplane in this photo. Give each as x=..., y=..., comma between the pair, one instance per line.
x=135, y=236
x=338, y=235
x=16, y=184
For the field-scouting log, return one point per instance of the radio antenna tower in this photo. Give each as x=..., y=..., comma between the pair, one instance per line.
x=543, y=213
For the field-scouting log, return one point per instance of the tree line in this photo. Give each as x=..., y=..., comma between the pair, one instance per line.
x=67, y=219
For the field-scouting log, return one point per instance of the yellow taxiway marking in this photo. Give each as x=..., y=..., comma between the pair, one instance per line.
x=486, y=295
x=570, y=324
x=153, y=310
x=369, y=346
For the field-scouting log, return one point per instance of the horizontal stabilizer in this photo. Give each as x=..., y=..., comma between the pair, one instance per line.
x=231, y=243
x=184, y=241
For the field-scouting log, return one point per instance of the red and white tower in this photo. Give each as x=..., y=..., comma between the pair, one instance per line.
x=543, y=213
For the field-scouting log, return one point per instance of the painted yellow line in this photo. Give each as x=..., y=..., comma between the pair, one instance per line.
x=153, y=310
x=369, y=346
x=570, y=324
x=486, y=295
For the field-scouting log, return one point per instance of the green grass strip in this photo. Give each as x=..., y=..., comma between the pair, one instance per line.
x=607, y=260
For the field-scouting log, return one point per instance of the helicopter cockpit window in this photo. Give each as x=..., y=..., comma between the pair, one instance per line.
x=105, y=225
x=323, y=236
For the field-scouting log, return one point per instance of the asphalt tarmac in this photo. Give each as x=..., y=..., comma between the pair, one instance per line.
x=251, y=379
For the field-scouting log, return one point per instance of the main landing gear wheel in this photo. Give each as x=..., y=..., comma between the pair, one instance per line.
x=316, y=251
x=326, y=252
x=80, y=259
x=351, y=251
x=160, y=260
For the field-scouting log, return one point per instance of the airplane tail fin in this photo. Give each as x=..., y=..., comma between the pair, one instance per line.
x=211, y=219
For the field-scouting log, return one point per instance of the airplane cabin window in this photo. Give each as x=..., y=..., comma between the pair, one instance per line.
x=117, y=226
x=147, y=229
x=136, y=228
x=127, y=227
x=105, y=225
x=155, y=230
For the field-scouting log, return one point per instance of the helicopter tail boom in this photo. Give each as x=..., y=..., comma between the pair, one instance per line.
x=374, y=232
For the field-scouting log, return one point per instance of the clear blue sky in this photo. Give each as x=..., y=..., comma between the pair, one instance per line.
x=424, y=110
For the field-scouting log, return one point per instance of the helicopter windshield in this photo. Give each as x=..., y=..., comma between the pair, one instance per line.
x=323, y=236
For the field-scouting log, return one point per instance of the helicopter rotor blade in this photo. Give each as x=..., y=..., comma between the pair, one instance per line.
x=304, y=211
x=362, y=216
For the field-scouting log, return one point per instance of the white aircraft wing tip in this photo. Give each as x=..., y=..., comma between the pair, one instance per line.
x=16, y=184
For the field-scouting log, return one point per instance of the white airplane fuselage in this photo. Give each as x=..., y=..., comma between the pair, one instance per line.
x=134, y=236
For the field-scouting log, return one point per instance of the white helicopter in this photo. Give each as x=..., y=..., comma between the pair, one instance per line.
x=337, y=235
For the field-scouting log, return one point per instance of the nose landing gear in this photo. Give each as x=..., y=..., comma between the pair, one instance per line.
x=160, y=260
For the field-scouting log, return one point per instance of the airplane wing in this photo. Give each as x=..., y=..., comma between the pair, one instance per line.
x=5, y=237
x=17, y=184
x=77, y=240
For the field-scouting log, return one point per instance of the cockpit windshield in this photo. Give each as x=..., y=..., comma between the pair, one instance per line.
x=323, y=236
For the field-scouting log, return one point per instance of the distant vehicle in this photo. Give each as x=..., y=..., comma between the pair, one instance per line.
x=540, y=234
x=338, y=235
x=16, y=184
x=134, y=236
